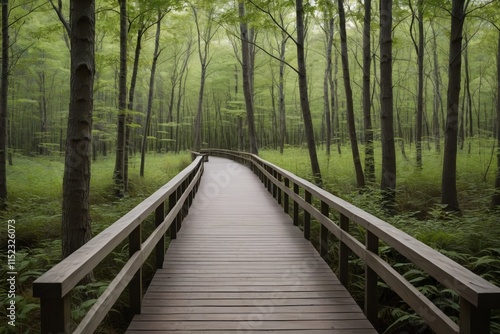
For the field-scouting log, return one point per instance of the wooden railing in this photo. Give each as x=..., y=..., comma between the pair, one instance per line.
x=55, y=286
x=477, y=296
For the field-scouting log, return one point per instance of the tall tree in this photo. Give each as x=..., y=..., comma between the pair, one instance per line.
x=388, y=181
x=118, y=176
x=419, y=48
x=4, y=88
x=247, y=77
x=205, y=34
x=76, y=223
x=156, y=54
x=304, y=95
x=495, y=202
x=367, y=63
x=437, y=103
x=360, y=178
x=449, y=196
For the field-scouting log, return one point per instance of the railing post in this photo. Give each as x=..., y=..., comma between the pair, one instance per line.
x=135, y=285
x=472, y=319
x=55, y=314
x=344, y=253
x=171, y=203
x=323, y=242
x=275, y=187
x=307, y=217
x=269, y=182
x=286, y=198
x=296, y=205
x=280, y=180
x=160, y=247
x=371, y=281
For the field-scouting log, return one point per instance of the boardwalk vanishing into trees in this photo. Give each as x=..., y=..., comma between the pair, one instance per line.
x=240, y=265
x=237, y=261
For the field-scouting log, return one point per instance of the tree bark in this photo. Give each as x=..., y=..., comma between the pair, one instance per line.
x=281, y=93
x=367, y=63
x=495, y=202
x=437, y=93
x=388, y=183
x=76, y=223
x=420, y=97
x=119, y=180
x=247, y=78
x=360, y=178
x=4, y=89
x=449, y=195
x=326, y=85
x=304, y=95
x=150, y=95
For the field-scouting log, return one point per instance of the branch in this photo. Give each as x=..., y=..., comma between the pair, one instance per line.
x=274, y=20
x=63, y=20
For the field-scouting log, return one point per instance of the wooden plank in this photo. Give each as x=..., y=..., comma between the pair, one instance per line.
x=237, y=256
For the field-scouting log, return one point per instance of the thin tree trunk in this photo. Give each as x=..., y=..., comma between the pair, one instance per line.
x=437, y=93
x=388, y=184
x=281, y=93
x=304, y=96
x=118, y=176
x=367, y=57
x=360, y=178
x=326, y=85
x=449, y=195
x=76, y=223
x=420, y=98
x=495, y=201
x=247, y=69
x=4, y=89
x=156, y=54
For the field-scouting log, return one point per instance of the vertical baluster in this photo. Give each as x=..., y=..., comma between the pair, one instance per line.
x=296, y=205
x=55, y=314
x=135, y=285
x=472, y=319
x=160, y=247
x=344, y=253
x=371, y=281
x=307, y=217
x=172, y=199
x=286, y=197
x=323, y=244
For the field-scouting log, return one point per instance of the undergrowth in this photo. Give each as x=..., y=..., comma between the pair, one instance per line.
x=35, y=197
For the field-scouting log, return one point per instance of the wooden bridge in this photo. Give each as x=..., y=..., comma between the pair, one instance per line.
x=240, y=263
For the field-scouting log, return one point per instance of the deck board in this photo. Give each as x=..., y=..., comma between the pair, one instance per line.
x=239, y=265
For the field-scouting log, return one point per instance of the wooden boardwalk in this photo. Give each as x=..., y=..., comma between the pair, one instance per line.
x=239, y=265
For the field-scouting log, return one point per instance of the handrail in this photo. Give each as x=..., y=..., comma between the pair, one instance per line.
x=477, y=296
x=54, y=287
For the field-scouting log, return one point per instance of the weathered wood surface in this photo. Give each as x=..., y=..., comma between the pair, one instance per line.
x=239, y=265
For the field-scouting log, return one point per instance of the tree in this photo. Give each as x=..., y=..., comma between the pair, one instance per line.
x=247, y=78
x=449, y=196
x=304, y=95
x=76, y=222
x=388, y=181
x=419, y=48
x=360, y=178
x=205, y=36
x=119, y=172
x=156, y=54
x=4, y=88
x=495, y=202
x=367, y=57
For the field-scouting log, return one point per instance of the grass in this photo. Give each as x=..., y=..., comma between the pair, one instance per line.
x=35, y=198
x=470, y=239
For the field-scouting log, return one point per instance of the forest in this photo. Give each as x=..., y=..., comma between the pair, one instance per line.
x=392, y=105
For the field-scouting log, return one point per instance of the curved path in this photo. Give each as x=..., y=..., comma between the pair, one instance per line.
x=239, y=265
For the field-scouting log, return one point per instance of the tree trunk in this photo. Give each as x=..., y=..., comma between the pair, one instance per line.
x=119, y=179
x=326, y=85
x=388, y=184
x=367, y=58
x=281, y=93
x=304, y=96
x=150, y=95
x=420, y=98
x=4, y=89
x=495, y=202
x=76, y=223
x=449, y=196
x=247, y=79
x=360, y=178
x=437, y=93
